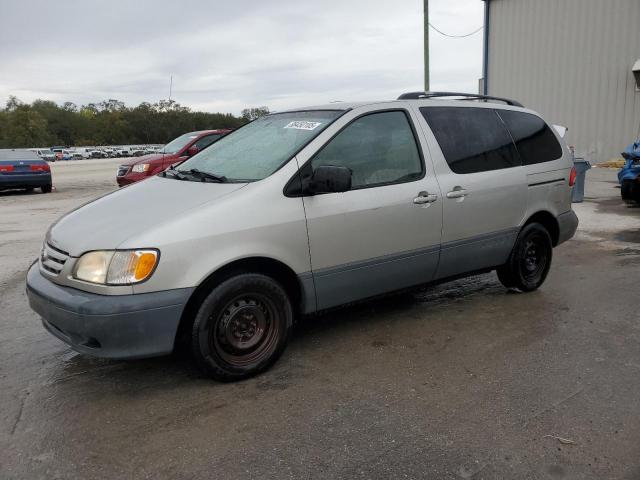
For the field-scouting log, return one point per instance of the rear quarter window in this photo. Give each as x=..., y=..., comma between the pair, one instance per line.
x=472, y=139
x=534, y=140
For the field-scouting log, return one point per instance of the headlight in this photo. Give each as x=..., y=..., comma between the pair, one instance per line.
x=116, y=267
x=140, y=168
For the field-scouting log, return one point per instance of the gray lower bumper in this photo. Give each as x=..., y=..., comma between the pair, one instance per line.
x=112, y=326
x=568, y=224
x=25, y=180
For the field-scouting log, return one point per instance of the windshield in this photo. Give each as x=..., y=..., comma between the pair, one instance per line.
x=258, y=149
x=177, y=144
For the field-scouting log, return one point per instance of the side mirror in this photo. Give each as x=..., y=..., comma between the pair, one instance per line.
x=192, y=150
x=329, y=179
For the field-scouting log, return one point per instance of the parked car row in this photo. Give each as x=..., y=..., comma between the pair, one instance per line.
x=59, y=153
x=29, y=169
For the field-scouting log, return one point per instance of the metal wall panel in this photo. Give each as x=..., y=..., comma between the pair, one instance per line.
x=571, y=61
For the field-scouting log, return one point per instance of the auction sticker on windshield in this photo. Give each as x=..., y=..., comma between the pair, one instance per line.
x=302, y=125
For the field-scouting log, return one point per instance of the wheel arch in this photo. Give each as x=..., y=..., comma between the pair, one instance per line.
x=549, y=221
x=270, y=267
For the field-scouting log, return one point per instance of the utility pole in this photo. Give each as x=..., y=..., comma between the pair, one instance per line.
x=426, y=46
x=170, y=86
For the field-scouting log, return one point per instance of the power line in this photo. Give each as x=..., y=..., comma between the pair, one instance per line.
x=455, y=36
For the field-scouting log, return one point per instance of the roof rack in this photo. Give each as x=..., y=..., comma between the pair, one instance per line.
x=466, y=96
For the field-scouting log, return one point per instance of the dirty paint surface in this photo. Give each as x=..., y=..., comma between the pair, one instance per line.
x=463, y=380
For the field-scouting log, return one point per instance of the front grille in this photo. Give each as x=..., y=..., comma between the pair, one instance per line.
x=52, y=259
x=122, y=170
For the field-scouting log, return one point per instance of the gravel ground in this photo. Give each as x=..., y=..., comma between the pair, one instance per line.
x=463, y=380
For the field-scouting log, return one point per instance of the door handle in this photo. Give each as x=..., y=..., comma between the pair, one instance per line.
x=425, y=197
x=457, y=192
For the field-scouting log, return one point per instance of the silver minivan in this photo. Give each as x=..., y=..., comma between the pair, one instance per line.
x=301, y=211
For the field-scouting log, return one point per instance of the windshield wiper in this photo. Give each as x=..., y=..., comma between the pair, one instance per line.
x=173, y=174
x=206, y=175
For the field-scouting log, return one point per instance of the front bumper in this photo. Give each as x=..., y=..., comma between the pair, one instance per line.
x=131, y=177
x=23, y=180
x=110, y=326
x=567, y=226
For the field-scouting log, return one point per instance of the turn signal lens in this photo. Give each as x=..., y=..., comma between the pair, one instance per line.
x=131, y=266
x=146, y=264
x=572, y=177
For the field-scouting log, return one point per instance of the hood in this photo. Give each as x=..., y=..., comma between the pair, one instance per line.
x=110, y=220
x=146, y=158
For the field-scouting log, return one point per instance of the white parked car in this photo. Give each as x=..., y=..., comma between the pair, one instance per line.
x=47, y=155
x=78, y=154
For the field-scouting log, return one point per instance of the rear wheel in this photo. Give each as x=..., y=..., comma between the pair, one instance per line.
x=241, y=327
x=29, y=189
x=46, y=188
x=530, y=260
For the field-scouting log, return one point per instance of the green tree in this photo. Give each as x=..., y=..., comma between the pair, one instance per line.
x=13, y=103
x=250, y=114
x=45, y=123
x=24, y=127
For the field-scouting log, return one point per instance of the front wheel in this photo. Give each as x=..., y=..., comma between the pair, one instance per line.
x=530, y=260
x=630, y=192
x=241, y=327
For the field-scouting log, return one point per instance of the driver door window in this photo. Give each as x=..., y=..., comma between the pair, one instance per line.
x=204, y=142
x=380, y=149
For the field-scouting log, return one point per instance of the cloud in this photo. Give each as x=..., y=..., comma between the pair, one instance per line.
x=225, y=56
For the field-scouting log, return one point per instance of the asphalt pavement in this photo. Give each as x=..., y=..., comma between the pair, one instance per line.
x=463, y=380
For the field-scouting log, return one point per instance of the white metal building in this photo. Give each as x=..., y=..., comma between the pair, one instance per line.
x=572, y=61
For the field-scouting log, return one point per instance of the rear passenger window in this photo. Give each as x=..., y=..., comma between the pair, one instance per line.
x=471, y=139
x=535, y=141
x=379, y=148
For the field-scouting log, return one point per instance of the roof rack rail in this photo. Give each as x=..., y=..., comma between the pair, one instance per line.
x=466, y=96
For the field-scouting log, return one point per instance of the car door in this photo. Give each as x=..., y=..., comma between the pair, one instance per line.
x=384, y=233
x=483, y=185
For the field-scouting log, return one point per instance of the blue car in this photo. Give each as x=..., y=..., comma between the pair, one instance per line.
x=24, y=169
x=629, y=175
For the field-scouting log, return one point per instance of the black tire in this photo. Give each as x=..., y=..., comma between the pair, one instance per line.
x=29, y=189
x=529, y=261
x=46, y=188
x=629, y=192
x=242, y=327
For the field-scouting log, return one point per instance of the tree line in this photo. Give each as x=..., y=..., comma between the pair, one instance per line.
x=44, y=123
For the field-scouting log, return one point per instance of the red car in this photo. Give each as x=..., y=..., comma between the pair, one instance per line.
x=173, y=153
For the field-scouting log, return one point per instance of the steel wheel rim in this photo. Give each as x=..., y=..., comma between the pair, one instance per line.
x=246, y=330
x=534, y=258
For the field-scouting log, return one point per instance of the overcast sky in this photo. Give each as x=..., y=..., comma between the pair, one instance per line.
x=228, y=55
